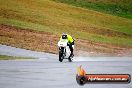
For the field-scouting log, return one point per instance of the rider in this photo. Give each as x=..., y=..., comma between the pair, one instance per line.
x=70, y=42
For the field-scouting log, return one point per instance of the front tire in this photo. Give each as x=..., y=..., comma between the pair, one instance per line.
x=61, y=55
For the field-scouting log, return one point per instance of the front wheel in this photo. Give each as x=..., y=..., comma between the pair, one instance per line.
x=61, y=55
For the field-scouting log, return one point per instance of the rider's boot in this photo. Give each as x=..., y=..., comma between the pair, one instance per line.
x=71, y=55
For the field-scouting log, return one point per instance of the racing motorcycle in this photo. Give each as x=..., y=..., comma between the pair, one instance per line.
x=64, y=50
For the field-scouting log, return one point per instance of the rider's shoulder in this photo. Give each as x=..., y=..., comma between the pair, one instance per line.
x=69, y=35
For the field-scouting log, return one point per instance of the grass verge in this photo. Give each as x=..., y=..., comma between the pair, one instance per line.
x=122, y=8
x=5, y=57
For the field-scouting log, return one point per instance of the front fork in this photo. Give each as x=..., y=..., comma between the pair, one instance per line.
x=62, y=50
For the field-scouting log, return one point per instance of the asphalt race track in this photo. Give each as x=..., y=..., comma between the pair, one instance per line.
x=48, y=72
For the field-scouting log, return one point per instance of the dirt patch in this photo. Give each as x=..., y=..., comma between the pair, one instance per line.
x=89, y=48
x=47, y=42
x=28, y=39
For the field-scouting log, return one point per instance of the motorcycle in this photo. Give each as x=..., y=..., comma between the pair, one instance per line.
x=64, y=50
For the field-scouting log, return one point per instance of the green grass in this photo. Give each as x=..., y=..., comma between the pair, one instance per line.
x=49, y=16
x=5, y=57
x=122, y=8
